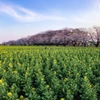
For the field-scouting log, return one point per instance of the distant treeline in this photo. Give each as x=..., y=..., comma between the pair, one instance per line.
x=67, y=37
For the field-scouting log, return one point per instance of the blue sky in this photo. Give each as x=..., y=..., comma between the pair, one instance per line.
x=21, y=18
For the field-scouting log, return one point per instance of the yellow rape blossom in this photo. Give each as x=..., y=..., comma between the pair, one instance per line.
x=4, y=71
x=85, y=78
x=10, y=65
x=62, y=99
x=54, y=72
x=21, y=97
x=42, y=79
x=9, y=94
x=33, y=89
x=1, y=82
x=15, y=72
x=47, y=86
x=66, y=79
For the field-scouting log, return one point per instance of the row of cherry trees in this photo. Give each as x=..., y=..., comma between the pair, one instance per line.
x=66, y=37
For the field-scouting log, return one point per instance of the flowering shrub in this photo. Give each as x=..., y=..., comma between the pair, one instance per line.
x=51, y=73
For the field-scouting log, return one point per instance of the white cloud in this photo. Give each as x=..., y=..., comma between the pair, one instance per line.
x=18, y=13
x=23, y=14
x=89, y=17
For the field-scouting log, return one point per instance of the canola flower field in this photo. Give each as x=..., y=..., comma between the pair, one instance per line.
x=49, y=73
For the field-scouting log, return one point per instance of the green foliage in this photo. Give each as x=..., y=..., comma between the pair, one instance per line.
x=49, y=73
